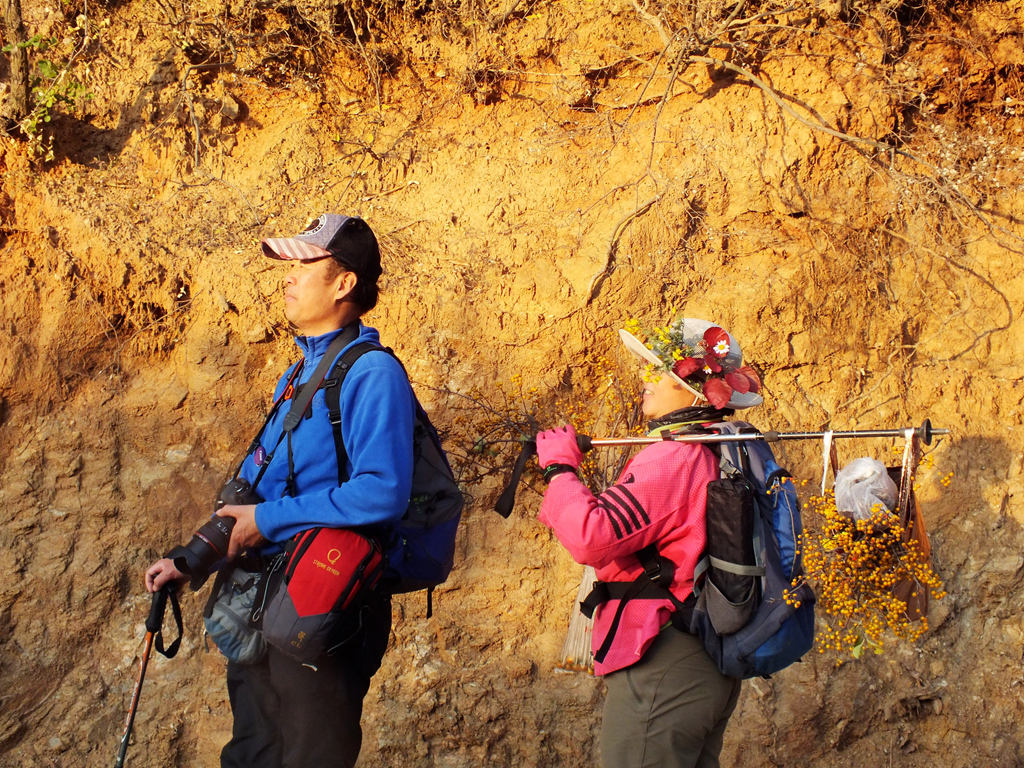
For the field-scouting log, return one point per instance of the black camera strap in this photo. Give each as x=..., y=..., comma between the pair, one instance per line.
x=286, y=393
x=301, y=401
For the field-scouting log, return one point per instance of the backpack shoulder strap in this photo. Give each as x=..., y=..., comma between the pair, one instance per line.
x=730, y=454
x=332, y=396
x=303, y=399
x=300, y=402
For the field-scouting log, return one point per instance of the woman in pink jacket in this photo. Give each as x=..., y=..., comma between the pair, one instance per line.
x=667, y=705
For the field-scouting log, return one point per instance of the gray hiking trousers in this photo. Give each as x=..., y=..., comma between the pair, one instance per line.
x=669, y=710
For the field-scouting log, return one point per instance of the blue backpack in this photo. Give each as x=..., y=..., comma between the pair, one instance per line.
x=420, y=550
x=751, y=619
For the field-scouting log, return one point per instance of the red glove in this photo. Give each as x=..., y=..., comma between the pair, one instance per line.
x=558, y=446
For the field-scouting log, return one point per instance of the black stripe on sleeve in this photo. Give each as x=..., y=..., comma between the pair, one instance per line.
x=614, y=501
x=639, y=507
x=612, y=514
x=628, y=503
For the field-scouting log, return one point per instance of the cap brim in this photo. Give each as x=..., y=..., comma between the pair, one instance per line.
x=292, y=249
x=634, y=345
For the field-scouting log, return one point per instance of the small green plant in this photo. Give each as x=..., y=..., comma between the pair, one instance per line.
x=53, y=84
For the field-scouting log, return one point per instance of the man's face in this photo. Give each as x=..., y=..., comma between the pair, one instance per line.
x=313, y=293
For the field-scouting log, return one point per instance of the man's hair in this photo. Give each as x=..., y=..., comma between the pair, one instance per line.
x=364, y=295
x=354, y=247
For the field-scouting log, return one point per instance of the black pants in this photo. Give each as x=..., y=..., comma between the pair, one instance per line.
x=287, y=715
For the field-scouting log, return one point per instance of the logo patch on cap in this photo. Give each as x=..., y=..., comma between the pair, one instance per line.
x=316, y=225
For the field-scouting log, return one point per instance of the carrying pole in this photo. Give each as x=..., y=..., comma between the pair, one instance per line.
x=507, y=499
x=924, y=432
x=154, y=623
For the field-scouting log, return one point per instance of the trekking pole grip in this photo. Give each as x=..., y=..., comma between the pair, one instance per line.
x=507, y=499
x=584, y=443
x=155, y=620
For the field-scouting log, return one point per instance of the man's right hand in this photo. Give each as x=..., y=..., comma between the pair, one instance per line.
x=163, y=572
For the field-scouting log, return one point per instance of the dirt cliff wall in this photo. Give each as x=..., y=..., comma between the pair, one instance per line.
x=840, y=186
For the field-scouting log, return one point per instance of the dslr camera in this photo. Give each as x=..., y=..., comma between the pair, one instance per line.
x=209, y=544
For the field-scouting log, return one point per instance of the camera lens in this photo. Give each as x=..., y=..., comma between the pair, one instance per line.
x=207, y=545
x=216, y=534
x=210, y=543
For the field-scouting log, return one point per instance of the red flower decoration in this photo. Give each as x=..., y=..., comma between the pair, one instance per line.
x=718, y=392
x=716, y=340
x=752, y=377
x=737, y=381
x=744, y=380
x=686, y=366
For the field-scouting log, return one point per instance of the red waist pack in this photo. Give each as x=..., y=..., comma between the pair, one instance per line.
x=316, y=589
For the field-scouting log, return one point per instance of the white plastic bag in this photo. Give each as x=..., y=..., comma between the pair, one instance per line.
x=861, y=486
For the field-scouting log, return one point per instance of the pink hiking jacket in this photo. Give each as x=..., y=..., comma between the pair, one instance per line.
x=658, y=499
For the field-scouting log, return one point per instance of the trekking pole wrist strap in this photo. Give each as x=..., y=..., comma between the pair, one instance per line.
x=155, y=620
x=508, y=496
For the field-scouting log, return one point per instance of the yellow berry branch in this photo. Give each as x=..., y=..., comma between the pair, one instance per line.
x=855, y=567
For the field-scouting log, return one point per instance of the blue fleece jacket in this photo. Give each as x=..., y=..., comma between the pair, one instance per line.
x=377, y=412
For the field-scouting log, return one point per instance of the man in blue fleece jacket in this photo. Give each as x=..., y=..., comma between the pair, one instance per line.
x=287, y=714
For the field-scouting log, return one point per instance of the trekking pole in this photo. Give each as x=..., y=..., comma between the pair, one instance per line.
x=154, y=632
x=507, y=499
x=924, y=432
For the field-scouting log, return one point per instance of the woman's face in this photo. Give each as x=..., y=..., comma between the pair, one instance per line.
x=663, y=396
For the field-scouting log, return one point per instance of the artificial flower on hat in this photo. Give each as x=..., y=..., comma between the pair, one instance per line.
x=701, y=356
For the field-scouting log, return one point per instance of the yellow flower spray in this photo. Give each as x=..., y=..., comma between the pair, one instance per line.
x=855, y=567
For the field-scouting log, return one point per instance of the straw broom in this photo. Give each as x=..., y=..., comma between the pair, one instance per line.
x=577, y=655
